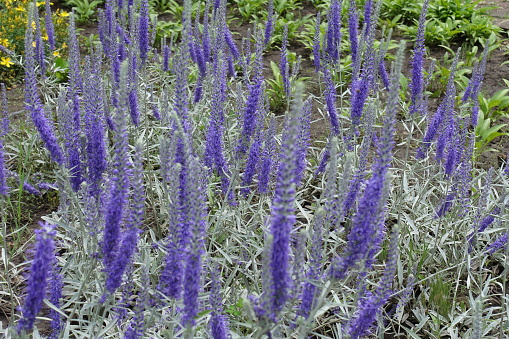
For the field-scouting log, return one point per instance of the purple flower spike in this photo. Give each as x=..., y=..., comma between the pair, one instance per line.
x=269, y=25
x=333, y=38
x=368, y=11
x=315, y=266
x=283, y=63
x=56, y=285
x=231, y=44
x=497, y=244
x=94, y=124
x=252, y=161
x=128, y=245
x=249, y=123
x=316, y=43
x=370, y=305
x=50, y=31
x=416, y=85
x=197, y=228
x=32, y=101
x=37, y=277
x=166, y=58
x=330, y=98
x=365, y=233
x=282, y=216
x=218, y=322
x=267, y=161
x=143, y=34
x=115, y=207
x=353, y=23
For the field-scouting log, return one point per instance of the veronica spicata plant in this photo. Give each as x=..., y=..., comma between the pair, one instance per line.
x=216, y=217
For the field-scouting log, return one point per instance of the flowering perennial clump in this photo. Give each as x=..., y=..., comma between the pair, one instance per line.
x=343, y=215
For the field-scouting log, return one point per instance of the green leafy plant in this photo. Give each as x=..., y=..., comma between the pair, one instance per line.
x=276, y=90
x=251, y=10
x=404, y=11
x=166, y=29
x=448, y=21
x=295, y=31
x=84, y=9
x=485, y=132
x=175, y=8
x=496, y=106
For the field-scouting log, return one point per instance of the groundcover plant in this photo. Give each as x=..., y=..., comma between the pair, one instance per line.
x=185, y=205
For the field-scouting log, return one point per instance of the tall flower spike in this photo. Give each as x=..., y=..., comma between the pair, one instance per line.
x=143, y=34
x=334, y=193
x=315, y=265
x=32, y=101
x=416, y=84
x=231, y=44
x=170, y=281
x=474, y=85
x=37, y=277
x=362, y=81
x=333, y=36
x=166, y=58
x=214, y=153
x=362, y=237
x=444, y=112
x=353, y=23
x=56, y=285
x=4, y=129
x=283, y=63
x=136, y=327
x=358, y=177
x=133, y=91
x=282, y=217
x=50, y=30
x=252, y=160
x=330, y=99
x=181, y=99
x=368, y=11
x=370, y=306
x=115, y=207
x=197, y=222
x=94, y=125
x=70, y=138
x=39, y=46
x=249, y=118
x=316, y=43
x=205, y=38
x=304, y=140
x=218, y=322
x=76, y=90
x=269, y=25
x=130, y=238
x=75, y=80
x=267, y=161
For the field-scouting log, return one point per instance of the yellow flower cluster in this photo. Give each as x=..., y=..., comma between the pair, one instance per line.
x=13, y=23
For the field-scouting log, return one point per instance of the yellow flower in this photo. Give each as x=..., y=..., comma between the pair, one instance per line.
x=4, y=42
x=63, y=14
x=45, y=37
x=6, y=61
x=39, y=3
x=64, y=45
x=56, y=54
x=20, y=8
x=33, y=25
